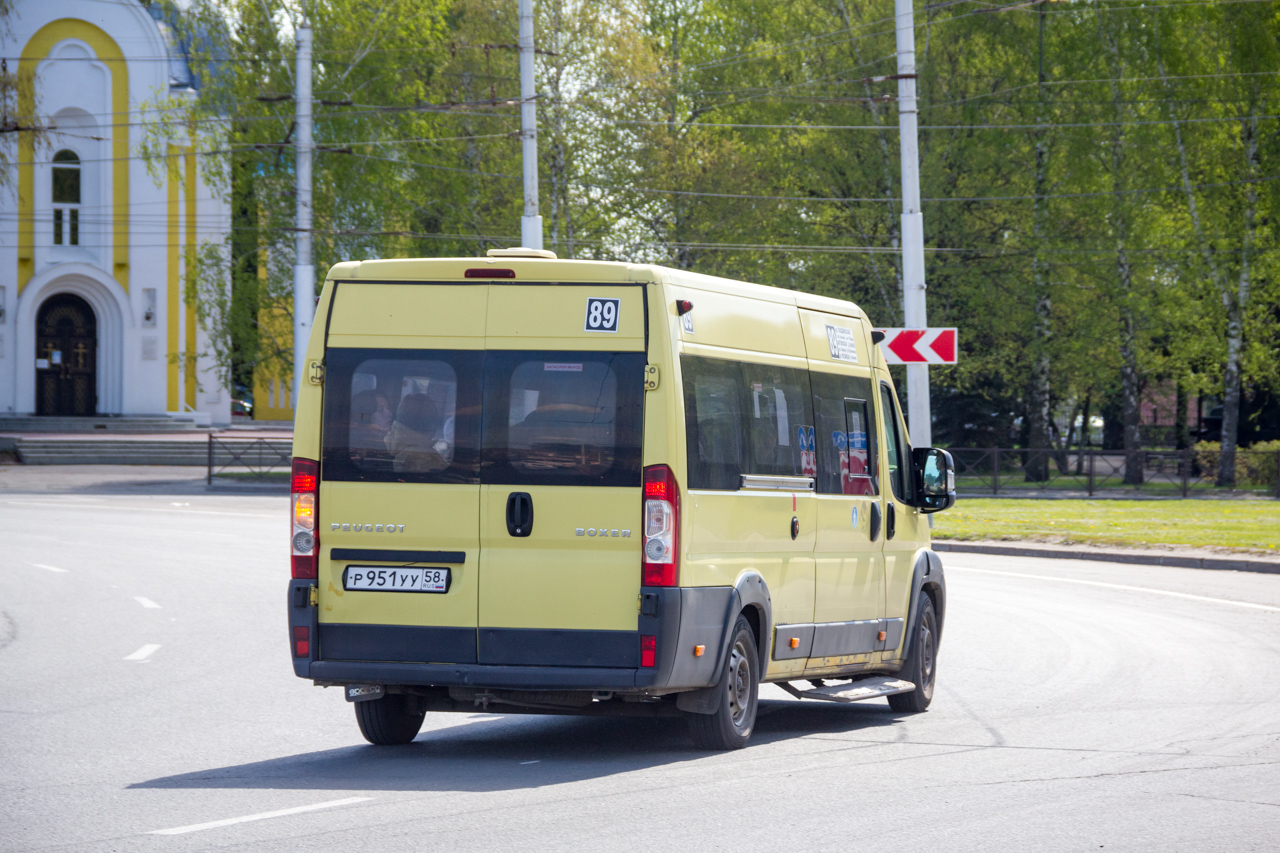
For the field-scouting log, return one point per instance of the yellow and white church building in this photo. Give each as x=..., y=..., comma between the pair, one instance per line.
x=94, y=252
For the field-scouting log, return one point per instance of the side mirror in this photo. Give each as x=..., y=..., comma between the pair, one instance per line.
x=935, y=475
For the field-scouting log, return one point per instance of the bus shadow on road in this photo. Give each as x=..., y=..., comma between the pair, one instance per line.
x=497, y=753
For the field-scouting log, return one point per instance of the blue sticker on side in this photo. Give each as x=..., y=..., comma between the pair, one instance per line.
x=855, y=518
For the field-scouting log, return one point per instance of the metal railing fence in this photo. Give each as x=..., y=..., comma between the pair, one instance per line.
x=253, y=458
x=1050, y=472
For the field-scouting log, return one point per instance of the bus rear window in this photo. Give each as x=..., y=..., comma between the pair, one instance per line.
x=563, y=418
x=396, y=415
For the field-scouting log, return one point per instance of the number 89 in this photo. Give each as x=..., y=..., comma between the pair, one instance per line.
x=602, y=314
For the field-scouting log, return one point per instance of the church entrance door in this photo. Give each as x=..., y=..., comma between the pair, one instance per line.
x=66, y=357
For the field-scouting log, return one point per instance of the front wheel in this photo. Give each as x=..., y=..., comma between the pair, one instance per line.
x=921, y=666
x=730, y=726
x=390, y=721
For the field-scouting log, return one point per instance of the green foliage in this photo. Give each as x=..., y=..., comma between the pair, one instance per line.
x=1255, y=465
x=1222, y=524
x=15, y=90
x=1097, y=177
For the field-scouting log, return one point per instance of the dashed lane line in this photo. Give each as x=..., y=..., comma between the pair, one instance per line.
x=146, y=602
x=50, y=568
x=143, y=653
x=214, y=824
x=1168, y=592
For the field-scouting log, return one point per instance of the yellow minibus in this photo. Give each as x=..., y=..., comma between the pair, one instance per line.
x=530, y=485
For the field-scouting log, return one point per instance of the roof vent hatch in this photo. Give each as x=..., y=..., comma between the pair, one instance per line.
x=522, y=252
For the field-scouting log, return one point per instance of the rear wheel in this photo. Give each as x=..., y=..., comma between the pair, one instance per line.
x=921, y=666
x=734, y=719
x=390, y=721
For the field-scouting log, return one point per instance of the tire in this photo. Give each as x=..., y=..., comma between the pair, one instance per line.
x=390, y=721
x=734, y=719
x=922, y=661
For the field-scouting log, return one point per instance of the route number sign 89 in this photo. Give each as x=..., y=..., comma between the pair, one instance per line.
x=602, y=314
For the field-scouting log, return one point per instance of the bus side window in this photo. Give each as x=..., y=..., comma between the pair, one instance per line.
x=779, y=418
x=860, y=472
x=714, y=422
x=844, y=418
x=895, y=446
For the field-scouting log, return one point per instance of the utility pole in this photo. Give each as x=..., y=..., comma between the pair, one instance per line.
x=913, y=296
x=531, y=222
x=304, y=272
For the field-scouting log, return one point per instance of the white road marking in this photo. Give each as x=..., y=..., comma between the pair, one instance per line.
x=146, y=602
x=214, y=824
x=537, y=761
x=143, y=653
x=1168, y=592
x=49, y=568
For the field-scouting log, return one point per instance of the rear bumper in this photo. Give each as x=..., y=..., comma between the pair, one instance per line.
x=476, y=675
x=681, y=620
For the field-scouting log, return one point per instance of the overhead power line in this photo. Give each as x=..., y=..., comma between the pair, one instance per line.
x=1098, y=80
x=1100, y=5
x=877, y=127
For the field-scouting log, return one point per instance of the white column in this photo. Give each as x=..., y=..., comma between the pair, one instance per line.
x=913, y=296
x=530, y=222
x=304, y=274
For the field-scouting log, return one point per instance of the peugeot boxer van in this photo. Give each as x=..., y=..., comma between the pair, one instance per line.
x=524, y=484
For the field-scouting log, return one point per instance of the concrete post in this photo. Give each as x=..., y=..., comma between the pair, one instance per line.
x=304, y=274
x=530, y=222
x=913, y=295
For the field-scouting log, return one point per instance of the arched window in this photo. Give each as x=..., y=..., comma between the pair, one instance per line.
x=66, y=198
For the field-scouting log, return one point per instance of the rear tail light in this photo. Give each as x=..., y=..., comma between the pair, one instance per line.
x=302, y=641
x=305, y=500
x=648, y=650
x=661, y=522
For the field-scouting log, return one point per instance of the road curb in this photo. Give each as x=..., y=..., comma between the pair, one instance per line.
x=1150, y=559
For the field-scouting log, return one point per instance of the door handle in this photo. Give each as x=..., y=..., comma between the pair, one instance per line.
x=519, y=513
x=875, y=521
x=889, y=522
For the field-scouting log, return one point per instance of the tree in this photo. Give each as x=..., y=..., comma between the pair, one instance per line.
x=19, y=107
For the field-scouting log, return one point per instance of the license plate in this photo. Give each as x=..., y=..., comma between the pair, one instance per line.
x=388, y=579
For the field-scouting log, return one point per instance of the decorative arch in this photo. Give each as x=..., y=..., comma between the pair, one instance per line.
x=35, y=50
x=110, y=304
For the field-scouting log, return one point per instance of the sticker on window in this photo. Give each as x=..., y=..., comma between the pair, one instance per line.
x=561, y=367
x=808, y=451
x=602, y=314
x=842, y=345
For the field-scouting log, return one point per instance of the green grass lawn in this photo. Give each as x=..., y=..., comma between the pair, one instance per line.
x=1253, y=524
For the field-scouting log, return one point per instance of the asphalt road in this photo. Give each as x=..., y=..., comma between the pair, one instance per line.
x=145, y=685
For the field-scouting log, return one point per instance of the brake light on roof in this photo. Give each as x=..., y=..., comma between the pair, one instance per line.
x=304, y=499
x=661, y=524
x=488, y=272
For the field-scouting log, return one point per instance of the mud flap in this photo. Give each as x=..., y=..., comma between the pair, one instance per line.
x=706, y=700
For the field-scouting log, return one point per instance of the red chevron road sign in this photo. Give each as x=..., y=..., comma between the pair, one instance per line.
x=919, y=346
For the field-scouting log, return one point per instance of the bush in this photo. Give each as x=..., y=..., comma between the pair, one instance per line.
x=1255, y=465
